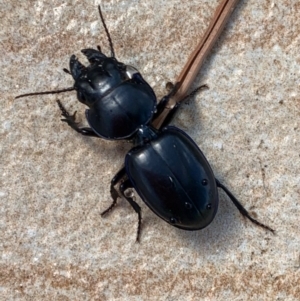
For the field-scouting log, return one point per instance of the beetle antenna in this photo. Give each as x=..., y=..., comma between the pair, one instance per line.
x=107, y=33
x=46, y=92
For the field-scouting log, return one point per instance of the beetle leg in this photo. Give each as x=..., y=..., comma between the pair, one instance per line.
x=113, y=192
x=163, y=103
x=170, y=116
x=71, y=121
x=192, y=67
x=242, y=210
x=163, y=120
x=125, y=185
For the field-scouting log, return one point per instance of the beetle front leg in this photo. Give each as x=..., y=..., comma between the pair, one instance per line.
x=124, y=186
x=71, y=121
x=242, y=210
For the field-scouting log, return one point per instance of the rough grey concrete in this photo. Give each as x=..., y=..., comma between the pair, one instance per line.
x=55, y=183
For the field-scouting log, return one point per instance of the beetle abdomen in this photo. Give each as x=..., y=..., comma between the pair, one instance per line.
x=119, y=113
x=174, y=179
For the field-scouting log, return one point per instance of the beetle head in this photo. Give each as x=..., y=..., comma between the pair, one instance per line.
x=101, y=76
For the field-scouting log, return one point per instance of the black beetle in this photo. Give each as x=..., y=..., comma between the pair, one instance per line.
x=165, y=166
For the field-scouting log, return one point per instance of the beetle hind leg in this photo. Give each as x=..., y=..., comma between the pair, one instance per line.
x=242, y=210
x=123, y=187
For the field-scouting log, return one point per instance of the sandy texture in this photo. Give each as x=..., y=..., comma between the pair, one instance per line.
x=54, y=183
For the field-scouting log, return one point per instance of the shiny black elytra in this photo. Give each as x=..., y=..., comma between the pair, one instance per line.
x=165, y=166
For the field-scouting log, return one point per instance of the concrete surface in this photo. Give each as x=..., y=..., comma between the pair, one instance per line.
x=54, y=183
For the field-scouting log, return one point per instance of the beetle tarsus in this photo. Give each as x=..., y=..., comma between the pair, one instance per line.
x=66, y=114
x=71, y=121
x=242, y=210
x=114, y=195
x=194, y=92
x=113, y=192
x=125, y=185
x=113, y=204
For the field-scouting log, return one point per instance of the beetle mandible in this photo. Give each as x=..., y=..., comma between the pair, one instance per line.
x=165, y=167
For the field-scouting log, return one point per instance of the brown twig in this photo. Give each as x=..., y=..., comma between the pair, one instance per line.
x=193, y=65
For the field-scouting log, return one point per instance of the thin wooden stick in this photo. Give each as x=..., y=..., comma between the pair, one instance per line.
x=193, y=65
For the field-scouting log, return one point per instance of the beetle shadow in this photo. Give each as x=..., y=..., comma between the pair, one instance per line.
x=110, y=149
x=228, y=220
x=113, y=149
x=221, y=233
